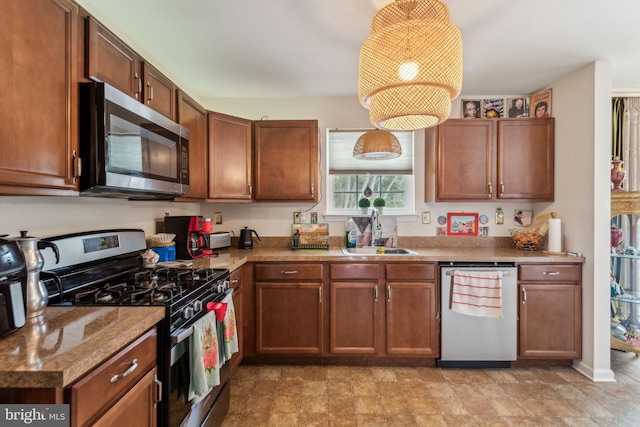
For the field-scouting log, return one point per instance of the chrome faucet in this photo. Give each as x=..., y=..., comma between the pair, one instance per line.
x=376, y=226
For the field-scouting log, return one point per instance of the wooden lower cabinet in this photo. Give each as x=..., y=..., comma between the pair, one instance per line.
x=122, y=391
x=289, y=309
x=236, y=280
x=550, y=311
x=354, y=319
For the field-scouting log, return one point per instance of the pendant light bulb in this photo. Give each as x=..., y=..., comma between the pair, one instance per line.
x=408, y=71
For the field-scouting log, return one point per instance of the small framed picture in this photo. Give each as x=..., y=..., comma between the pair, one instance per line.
x=541, y=104
x=441, y=231
x=217, y=218
x=492, y=108
x=522, y=218
x=471, y=109
x=518, y=108
x=462, y=224
x=484, y=231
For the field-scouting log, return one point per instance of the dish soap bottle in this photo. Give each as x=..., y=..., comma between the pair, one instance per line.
x=351, y=234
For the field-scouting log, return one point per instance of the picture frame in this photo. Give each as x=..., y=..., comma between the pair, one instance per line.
x=493, y=108
x=462, y=224
x=540, y=104
x=471, y=108
x=484, y=231
x=441, y=231
x=517, y=110
x=522, y=218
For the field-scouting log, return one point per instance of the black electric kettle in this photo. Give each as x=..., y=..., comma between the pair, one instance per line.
x=246, y=240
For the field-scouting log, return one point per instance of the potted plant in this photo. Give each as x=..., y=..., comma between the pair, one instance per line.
x=379, y=203
x=364, y=204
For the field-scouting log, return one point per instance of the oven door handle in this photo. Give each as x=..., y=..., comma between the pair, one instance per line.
x=181, y=335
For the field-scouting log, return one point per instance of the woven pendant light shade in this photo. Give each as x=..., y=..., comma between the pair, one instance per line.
x=377, y=145
x=410, y=66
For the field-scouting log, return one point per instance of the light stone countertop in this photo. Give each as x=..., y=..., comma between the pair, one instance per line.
x=68, y=342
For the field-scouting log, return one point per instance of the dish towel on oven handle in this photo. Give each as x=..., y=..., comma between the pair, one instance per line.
x=227, y=330
x=477, y=293
x=204, y=363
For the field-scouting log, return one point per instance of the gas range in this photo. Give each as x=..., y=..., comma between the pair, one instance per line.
x=105, y=268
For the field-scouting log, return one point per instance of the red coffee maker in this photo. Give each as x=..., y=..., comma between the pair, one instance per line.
x=190, y=242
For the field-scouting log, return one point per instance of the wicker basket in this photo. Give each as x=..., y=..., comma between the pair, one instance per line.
x=529, y=239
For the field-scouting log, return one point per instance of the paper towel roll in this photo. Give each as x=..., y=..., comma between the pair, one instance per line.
x=555, y=235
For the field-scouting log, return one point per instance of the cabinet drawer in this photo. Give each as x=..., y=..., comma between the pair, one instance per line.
x=411, y=271
x=236, y=278
x=293, y=272
x=95, y=393
x=354, y=271
x=550, y=272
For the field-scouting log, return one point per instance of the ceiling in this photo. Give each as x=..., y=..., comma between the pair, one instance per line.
x=309, y=48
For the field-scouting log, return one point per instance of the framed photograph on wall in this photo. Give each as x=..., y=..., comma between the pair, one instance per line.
x=492, y=108
x=462, y=224
x=471, y=108
x=541, y=104
x=517, y=108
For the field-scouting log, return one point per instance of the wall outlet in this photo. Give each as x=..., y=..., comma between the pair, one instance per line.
x=426, y=217
x=296, y=217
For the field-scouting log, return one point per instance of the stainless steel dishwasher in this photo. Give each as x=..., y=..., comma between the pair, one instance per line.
x=471, y=341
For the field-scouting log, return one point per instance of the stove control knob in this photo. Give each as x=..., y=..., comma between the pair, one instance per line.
x=187, y=313
x=197, y=305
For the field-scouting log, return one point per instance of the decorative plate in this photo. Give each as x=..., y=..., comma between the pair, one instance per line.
x=483, y=219
x=442, y=220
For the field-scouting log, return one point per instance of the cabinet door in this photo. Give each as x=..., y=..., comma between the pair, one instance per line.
x=354, y=317
x=229, y=158
x=286, y=160
x=158, y=91
x=526, y=159
x=39, y=87
x=289, y=318
x=111, y=61
x=194, y=117
x=550, y=321
x=137, y=408
x=412, y=327
x=465, y=160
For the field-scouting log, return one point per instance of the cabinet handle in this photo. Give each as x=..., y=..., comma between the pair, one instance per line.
x=320, y=293
x=133, y=367
x=502, y=187
x=250, y=189
x=158, y=391
x=388, y=293
x=150, y=89
x=312, y=190
x=289, y=272
x=375, y=293
x=524, y=295
x=138, y=85
x=490, y=189
x=236, y=280
x=551, y=273
x=77, y=166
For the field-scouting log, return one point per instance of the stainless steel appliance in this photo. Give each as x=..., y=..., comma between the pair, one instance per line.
x=190, y=241
x=105, y=268
x=471, y=341
x=13, y=287
x=219, y=239
x=129, y=150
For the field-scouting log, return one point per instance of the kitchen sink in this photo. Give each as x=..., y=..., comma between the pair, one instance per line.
x=371, y=250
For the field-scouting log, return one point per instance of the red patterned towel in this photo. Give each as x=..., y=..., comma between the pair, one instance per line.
x=477, y=293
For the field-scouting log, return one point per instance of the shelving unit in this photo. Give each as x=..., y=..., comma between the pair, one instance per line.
x=625, y=270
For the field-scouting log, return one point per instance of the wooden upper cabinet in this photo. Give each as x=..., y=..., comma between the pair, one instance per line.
x=485, y=159
x=158, y=91
x=111, y=61
x=194, y=117
x=286, y=160
x=465, y=167
x=39, y=87
x=229, y=158
x=526, y=159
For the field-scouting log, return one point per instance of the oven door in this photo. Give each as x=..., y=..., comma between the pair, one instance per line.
x=210, y=410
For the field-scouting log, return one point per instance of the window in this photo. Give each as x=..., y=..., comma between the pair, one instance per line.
x=348, y=178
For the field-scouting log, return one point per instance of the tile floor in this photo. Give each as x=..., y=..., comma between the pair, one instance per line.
x=398, y=396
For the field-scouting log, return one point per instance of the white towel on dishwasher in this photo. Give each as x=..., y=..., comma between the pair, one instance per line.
x=477, y=293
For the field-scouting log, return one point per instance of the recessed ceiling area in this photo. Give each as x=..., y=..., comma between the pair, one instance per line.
x=310, y=48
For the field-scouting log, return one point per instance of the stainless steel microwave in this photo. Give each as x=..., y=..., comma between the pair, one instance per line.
x=129, y=150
